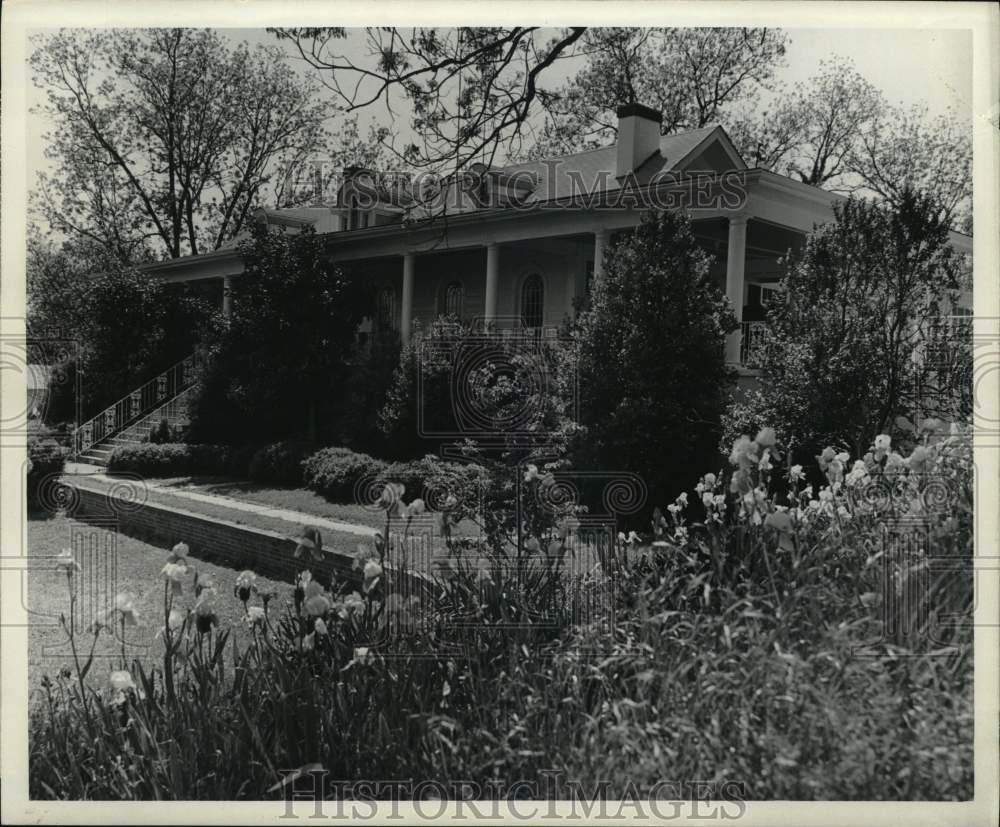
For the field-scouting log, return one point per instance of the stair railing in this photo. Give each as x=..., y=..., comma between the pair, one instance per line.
x=139, y=403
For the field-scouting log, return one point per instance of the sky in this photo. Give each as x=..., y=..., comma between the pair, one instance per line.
x=910, y=66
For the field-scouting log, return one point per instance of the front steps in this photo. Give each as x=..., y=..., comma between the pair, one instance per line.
x=175, y=411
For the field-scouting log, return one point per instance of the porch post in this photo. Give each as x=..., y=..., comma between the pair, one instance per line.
x=406, y=311
x=735, y=269
x=227, y=296
x=601, y=240
x=492, y=283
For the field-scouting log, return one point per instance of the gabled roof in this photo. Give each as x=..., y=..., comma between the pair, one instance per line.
x=594, y=170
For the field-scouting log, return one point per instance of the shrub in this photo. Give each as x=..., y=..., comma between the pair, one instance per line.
x=335, y=473
x=164, y=433
x=854, y=341
x=280, y=463
x=432, y=478
x=652, y=372
x=171, y=459
x=46, y=461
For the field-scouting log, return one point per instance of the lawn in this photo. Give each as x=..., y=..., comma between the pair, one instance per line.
x=294, y=499
x=116, y=564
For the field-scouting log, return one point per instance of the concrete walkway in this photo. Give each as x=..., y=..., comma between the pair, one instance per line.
x=81, y=471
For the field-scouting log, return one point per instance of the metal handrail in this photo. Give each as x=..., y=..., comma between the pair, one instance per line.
x=137, y=404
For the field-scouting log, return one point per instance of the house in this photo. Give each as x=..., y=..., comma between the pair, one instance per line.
x=515, y=246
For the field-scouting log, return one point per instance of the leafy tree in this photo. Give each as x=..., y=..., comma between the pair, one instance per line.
x=126, y=326
x=855, y=338
x=838, y=131
x=471, y=90
x=652, y=373
x=692, y=76
x=813, y=130
x=279, y=363
x=165, y=140
x=904, y=148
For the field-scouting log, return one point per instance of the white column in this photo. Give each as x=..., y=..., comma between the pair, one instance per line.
x=492, y=282
x=406, y=311
x=601, y=240
x=227, y=296
x=735, y=268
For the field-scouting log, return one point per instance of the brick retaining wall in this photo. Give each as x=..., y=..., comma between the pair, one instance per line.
x=211, y=538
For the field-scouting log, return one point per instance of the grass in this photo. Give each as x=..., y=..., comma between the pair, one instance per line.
x=336, y=540
x=136, y=568
x=292, y=499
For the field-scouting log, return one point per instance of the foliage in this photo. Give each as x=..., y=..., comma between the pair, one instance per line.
x=172, y=459
x=812, y=130
x=279, y=363
x=432, y=479
x=337, y=473
x=855, y=344
x=365, y=392
x=692, y=76
x=470, y=90
x=745, y=630
x=164, y=432
x=280, y=463
x=165, y=140
x=500, y=394
x=838, y=131
x=125, y=326
x=46, y=462
x=652, y=368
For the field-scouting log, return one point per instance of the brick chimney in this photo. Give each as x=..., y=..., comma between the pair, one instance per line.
x=638, y=136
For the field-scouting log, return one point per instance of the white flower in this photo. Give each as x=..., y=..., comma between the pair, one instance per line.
x=883, y=442
x=633, y=537
x=121, y=680
x=174, y=572
x=682, y=499
x=710, y=480
x=707, y=499
x=361, y=654
x=765, y=460
x=256, y=615
x=320, y=627
x=531, y=473
x=309, y=642
x=795, y=472
x=125, y=603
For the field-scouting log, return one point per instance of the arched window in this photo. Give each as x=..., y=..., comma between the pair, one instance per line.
x=452, y=300
x=532, y=301
x=386, y=311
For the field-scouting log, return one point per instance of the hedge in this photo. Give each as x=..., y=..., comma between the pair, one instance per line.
x=341, y=475
x=171, y=459
x=46, y=462
x=280, y=463
x=336, y=472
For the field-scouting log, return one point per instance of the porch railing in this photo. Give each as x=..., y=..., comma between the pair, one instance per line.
x=137, y=404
